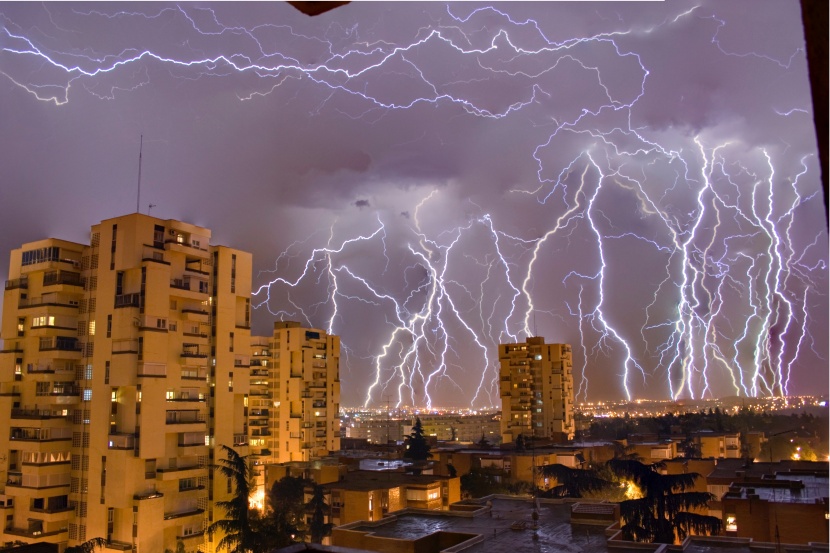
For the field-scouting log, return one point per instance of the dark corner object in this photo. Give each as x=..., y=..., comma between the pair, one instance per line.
x=814, y=18
x=316, y=8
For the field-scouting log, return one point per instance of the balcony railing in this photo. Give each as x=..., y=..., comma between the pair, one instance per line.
x=127, y=300
x=193, y=350
x=55, y=299
x=185, y=417
x=59, y=343
x=152, y=369
x=121, y=441
x=124, y=346
x=240, y=439
x=16, y=283
x=11, y=346
x=38, y=414
x=40, y=434
x=62, y=277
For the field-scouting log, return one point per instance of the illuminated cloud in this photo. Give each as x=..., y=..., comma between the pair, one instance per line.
x=427, y=180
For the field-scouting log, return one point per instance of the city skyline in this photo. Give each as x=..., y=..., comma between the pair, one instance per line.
x=639, y=181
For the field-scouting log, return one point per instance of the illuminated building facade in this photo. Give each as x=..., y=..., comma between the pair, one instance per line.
x=536, y=390
x=304, y=391
x=124, y=363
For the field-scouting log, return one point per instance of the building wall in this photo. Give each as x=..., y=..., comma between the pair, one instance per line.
x=536, y=390
x=132, y=351
x=305, y=393
x=797, y=523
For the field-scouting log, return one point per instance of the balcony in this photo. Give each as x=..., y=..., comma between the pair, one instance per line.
x=59, y=343
x=53, y=299
x=38, y=414
x=152, y=370
x=195, y=285
x=127, y=300
x=25, y=434
x=151, y=254
x=121, y=440
x=191, y=439
x=194, y=351
x=185, y=417
x=186, y=513
x=11, y=346
x=193, y=374
x=63, y=277
x=196, y=314
x=37, y=481
x=240, y=439
x=18, y=284
x=51, y=389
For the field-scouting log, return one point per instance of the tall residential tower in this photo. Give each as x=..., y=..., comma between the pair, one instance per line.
x=536, y=390
x=124, y=363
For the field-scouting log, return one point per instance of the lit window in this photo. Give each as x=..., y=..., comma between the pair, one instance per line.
x=731, y=523
x=92, y=328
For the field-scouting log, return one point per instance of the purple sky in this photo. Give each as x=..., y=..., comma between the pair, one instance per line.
x=427, y=180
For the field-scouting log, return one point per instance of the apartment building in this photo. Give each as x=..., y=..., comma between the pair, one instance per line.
x=536, y=390
x=124, y=364
x=296, y=415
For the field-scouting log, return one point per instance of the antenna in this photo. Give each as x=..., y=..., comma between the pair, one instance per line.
x=149, y=207
x=138, y=199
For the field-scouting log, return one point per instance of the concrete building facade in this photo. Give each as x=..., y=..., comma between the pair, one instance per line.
x=304, y=394
x=536, y=390
x=124, y=364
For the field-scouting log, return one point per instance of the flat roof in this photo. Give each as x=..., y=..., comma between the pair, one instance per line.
x=510, y=528
x=368, y=480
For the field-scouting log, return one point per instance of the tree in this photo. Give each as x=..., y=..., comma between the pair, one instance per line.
x=690, y=448
x=662, y=515
x=520, y=442
x=417, y=448
x=451, y=470
x=284, y=523
x=89, y=546
x=573, y=482
x=239, y=536
x=319, y=528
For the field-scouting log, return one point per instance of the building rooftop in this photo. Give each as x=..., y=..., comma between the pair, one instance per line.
x=365, y=480
x=510, y=528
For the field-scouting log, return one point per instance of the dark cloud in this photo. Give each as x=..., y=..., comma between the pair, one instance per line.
x=641, y=158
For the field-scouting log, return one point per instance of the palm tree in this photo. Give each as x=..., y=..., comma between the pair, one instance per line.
x=89, y=546
x=239, y=535
x=662, y=515
x=574, y=482
x=318, y=528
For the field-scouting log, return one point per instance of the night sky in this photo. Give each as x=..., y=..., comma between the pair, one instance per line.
x=427, y=180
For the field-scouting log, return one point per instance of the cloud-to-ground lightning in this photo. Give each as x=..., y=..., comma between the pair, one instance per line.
x=673, y=261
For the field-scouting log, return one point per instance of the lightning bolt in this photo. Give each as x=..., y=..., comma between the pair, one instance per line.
x=728, y=286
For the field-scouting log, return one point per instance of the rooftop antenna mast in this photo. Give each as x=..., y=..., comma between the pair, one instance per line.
x=138, y=199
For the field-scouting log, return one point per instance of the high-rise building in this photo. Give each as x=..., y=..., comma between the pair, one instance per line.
x=536, y=390
x=304, y=391
x=124, y=363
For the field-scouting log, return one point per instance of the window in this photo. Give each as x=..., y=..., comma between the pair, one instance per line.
x=21, y=323
x=92, y=328
x=41, y=255
x=87, y=394
x=233, y=273
x=731, y=523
